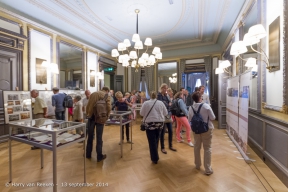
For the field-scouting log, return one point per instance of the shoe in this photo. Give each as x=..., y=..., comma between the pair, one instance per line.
x=154, y=162
x=172, y=149
x=209, y=172
x=128, y=141
x=104, y=157
x=179, y=141
x=164, y=151
x=198, y=168
x=190, y=144
x=34, y=147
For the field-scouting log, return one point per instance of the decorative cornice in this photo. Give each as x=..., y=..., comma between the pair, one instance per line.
x=13, y=34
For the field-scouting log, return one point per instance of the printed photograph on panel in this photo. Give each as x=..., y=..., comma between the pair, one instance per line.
x=41, y=72
x=13, y=117
x=17, y=108
x=17, y=103
x=9, y=110
x=24, y=96
x=13, y=97
x=25, y=108
x=25, y=115
x=10, y=103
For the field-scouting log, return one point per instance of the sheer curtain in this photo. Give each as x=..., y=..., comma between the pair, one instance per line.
x=149, y=78
x=135, y=79
x=192, y=79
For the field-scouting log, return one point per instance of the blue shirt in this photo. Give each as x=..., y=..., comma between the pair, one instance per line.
x=57, y=101
x=121, y=106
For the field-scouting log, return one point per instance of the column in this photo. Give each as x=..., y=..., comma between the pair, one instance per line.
x=25, y=58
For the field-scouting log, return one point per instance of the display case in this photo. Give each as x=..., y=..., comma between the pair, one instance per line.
x=121, y=118
x=47, y=134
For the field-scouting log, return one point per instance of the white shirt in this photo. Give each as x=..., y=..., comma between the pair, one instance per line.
x=157, y=114
x=205, y=112
x=205, y=99
x=85, y=102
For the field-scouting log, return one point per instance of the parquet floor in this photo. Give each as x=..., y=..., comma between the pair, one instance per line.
x=134, y=172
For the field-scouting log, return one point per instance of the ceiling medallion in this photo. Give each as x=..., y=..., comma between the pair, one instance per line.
x=129, y=58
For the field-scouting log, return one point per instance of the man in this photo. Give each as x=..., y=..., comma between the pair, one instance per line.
x=85, y=102
x=57, y=102
x=94, y=97
x=40, y=107
x=205, y=98
x=189, y=100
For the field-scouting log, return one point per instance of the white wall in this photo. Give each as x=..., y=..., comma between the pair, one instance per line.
x=40, y=47
x=274, y=80
x=10, y=26
x=92, y=64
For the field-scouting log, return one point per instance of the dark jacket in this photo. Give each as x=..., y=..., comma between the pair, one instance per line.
x=189, y=100
x=165, y=100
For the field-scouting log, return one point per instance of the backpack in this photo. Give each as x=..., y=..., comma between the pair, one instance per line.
x=197, y=124
x=100, y=110
x=68, y=101
x=175, y=109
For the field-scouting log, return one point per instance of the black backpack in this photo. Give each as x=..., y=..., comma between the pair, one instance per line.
x=175, y=109
x=198, y=126
x=68, y=101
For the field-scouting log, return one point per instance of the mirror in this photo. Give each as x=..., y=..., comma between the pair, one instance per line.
x=167, y=73
x=71, y=75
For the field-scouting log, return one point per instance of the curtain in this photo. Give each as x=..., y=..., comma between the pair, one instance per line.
x=208, y=68
x=181, y=71
x=149, y=76
x=192, y=78
x=135, y=79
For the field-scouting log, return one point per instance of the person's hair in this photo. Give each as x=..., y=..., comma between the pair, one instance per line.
x=34, y=90
x=78, y=97
x=196, y=89
x=105, y=89
x=201, y=87
x=182, y=88
x=162, y=85
x=177, y=95
x=196, y=96
x=170, y=90
x=143, y=94
x=127, y=93
x=55, y=89
x=118, y=94
x=153, y=94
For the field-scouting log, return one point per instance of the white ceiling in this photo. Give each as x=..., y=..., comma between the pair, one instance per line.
x=183, y=28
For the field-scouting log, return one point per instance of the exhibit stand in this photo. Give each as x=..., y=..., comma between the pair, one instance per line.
x=47, y=134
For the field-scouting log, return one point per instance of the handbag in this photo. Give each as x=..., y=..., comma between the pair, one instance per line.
x=143, y=126
x=168, y=119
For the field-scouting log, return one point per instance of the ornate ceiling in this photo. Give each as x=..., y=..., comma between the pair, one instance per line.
x=180, y=28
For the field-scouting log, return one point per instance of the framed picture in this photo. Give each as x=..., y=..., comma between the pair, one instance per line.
x=274, y=44
x=41, y=72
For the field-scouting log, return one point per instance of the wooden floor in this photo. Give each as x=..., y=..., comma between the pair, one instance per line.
x=175, y=171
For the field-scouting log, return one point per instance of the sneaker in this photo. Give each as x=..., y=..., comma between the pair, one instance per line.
x=209, y=172
x=180, y=141
x=104, y=157
x=190, y=144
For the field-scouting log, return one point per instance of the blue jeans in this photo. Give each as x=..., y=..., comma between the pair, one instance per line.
x=99, y=142
x=60, y=115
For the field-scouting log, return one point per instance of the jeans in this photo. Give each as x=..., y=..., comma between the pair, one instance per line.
x=153, y=140
x=170, y=136
x=127, y=132
x=60, y=115
x=99, y=142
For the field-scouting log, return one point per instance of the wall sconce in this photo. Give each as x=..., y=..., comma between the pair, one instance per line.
x=223, y=65
x=173, y=79
x=255, y=33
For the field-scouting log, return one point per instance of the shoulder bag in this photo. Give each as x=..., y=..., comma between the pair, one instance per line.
x=142, y=126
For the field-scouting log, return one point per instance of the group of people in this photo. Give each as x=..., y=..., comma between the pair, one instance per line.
x=156, y=115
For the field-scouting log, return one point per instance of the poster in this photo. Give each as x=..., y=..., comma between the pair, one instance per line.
x=244, y=88
x=17, y=105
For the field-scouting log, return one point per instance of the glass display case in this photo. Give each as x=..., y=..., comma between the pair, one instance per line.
x=121, y=118
x=47, y=134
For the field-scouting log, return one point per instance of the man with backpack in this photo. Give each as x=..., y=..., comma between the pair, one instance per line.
x=58, y=103
x=200, y=116
x=97, y=111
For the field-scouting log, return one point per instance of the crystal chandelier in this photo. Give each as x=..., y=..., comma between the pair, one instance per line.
x=130, y=58
x=173, y=79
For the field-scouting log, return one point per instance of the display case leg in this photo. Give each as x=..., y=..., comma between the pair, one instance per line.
x=54, y=163
x=131, y=133
x=42, y=159
x=10, y=162
x=84, y=147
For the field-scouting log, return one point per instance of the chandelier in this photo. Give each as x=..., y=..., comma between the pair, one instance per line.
x=130, y=58
x=173, y=79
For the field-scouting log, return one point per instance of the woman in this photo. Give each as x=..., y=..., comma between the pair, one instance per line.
x=162, y=96
x=143, y=97
x=205, y=138
x=171, y=97
x=154, y=121
x=181, y=119
x=122, y=105
x=77, y=110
